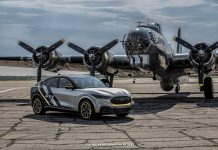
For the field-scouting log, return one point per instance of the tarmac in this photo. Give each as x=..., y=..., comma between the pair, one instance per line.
x=159, y=120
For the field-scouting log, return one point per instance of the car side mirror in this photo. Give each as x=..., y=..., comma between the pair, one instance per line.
x=69, y=86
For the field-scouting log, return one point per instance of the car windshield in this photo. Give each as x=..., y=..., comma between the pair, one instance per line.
x=88, y=82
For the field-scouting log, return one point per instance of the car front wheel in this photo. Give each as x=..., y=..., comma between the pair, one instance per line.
x=86, y=109
x=38, y=107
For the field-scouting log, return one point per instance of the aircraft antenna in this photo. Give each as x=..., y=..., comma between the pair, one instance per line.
x=140, y=23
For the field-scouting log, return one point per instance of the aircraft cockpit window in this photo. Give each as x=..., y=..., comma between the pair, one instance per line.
x=152, y=37
x=158, y=27
x=155, y=26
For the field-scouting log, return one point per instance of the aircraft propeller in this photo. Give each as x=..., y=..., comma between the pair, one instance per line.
x=178, y=48
x=95, y=54
x=40, y=53
x=201, y=55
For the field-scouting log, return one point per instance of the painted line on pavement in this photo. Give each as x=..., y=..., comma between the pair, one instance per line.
x=12, y=89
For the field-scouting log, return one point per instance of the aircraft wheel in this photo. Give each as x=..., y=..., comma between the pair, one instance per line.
x=177, y=89
x=133, y=80
x=208, y=88
x=38, y=107
x=86, y=109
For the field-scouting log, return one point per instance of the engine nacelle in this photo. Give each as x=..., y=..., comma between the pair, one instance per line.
x=209, y=60
x=102, y=62
x=166, y=85
x=49, y=60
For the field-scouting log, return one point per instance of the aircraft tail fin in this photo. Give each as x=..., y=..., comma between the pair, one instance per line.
x=179, y=47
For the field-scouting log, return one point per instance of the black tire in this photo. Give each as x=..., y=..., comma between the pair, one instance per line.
x=38, y=106
x=122, y=115
x=86, y=110
x=177, y=89
x=208, y=88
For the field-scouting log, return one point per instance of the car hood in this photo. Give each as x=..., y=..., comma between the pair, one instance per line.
x=108, y=91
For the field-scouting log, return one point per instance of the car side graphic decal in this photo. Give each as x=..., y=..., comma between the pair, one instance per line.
x=44, y=94
x=55, y=98
x=40, y=92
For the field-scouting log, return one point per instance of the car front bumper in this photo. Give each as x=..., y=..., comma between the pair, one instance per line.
x=104, y=110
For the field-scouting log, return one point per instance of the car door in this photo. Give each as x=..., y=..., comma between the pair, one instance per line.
x=49, y=86
x=66, y=97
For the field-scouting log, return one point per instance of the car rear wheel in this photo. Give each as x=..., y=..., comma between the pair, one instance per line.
x=86, y=109
x=122, y=114
x=38, y=107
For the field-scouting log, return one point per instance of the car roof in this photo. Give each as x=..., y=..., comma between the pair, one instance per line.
x=66, y=76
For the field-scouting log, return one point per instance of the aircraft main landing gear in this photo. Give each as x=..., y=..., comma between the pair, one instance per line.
x=208, y=88
x=154, y=77
x=133, y=80
x=177, y=89
x=109, y=78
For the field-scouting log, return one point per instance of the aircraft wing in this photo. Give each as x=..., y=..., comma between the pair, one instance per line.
x=182, y=61
x=16, y=61
x=61, y=63
x=74, y=63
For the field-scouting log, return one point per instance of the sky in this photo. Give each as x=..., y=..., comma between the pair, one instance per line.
x=97, y=22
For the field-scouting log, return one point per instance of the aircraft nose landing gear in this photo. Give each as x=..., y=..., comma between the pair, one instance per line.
x=208, y=88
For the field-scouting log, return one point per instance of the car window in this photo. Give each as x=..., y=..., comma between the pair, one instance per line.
x=64, y=82
x=43, y=82
x=88, y=82
x=53, y=82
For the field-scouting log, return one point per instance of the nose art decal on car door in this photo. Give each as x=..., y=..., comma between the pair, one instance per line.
x=44, y=94
x=52, y=97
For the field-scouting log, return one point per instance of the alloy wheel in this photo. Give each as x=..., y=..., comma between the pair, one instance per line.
x=86, y=110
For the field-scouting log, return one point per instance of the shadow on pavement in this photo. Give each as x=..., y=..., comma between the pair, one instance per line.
x=147, y=105
x=68, y=117
x=26, y=101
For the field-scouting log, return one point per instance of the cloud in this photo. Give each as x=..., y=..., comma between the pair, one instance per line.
x=96, y=22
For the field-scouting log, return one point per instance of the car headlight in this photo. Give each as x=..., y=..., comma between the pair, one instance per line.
x=101, y=96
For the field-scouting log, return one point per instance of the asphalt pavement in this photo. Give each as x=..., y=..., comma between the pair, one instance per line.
x=159, y=120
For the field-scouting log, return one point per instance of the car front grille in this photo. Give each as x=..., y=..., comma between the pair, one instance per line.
x=121, y=100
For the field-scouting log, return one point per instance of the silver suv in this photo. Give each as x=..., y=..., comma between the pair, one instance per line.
x=81, y=93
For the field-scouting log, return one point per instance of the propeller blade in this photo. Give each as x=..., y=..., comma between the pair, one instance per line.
x=77, y=48
x=201, y=74
x=212, y=47
x=179, y=48
x=54, y=46
x=26, y=47
x=92, y=71
x=108, y=46
x=179, y=32
x=39, y=70
x=185, y=44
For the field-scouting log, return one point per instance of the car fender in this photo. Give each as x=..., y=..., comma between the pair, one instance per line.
x=95, y=104
x=40, y=96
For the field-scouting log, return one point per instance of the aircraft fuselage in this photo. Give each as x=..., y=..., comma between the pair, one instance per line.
x=148, y=49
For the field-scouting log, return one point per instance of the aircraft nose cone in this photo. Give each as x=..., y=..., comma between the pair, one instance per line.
x=137, y=42
x=201, y=54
